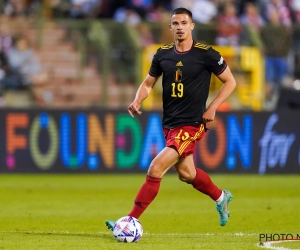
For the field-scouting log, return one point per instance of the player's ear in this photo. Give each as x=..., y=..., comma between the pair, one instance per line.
x=170, y=27
x=192, y=26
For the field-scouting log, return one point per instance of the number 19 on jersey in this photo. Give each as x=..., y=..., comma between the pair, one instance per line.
x=177, y=89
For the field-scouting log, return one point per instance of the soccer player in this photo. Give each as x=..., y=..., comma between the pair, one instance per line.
x=186, y=66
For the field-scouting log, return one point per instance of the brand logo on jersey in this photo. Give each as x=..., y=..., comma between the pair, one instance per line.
x=179, y=64
x=221, y=61
x=178, y=75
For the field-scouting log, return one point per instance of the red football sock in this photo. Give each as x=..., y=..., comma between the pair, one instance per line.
x=145, y=196
x=204, y=184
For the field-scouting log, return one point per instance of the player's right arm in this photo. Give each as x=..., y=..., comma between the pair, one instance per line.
x=141, y=94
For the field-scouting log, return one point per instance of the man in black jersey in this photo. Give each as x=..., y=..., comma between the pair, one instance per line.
x=186, y=67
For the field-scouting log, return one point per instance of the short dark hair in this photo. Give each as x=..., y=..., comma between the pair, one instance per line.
x=182, y=11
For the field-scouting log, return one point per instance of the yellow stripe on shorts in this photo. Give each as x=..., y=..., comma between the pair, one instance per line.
x=185, y=144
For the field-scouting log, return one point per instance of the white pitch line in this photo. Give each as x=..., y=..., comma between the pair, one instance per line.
x=109, y=232
x=52, y=232
x=268, y=245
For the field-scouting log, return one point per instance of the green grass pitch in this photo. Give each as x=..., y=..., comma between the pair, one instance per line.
x=69, y=211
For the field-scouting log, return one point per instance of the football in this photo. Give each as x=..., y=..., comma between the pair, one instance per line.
x=128, y=229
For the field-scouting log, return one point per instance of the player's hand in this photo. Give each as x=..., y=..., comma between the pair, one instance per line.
x=134, y=108
x=208, y=116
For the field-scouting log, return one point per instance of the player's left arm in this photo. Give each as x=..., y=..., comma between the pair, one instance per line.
x=227, y=88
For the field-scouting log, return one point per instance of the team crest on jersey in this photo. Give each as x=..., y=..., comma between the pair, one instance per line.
x=221, y=61
x=179, y=64
x=178, y=75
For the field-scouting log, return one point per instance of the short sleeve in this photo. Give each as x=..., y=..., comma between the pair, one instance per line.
x=214, y=62
x=155, y=69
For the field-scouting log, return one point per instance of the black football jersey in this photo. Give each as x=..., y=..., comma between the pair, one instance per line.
x=185, y=82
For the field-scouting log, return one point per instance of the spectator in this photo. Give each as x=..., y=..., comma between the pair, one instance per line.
x=128, y=16
x=56, y=8
x=188, y=4
x=113, y=5
x=241, y=5
x=84, y=8
x=166, y=4
x=280, y=7
x=295, y=9
x=5, y=38
x=3, y=68
x=104, y=9
x=252, y=18
x=277, y=42
x=158, y=13
x=252, y=22
x=16, y=8
x=204, y=10
x=228, y=27
x=140, y=6
x=24, y=68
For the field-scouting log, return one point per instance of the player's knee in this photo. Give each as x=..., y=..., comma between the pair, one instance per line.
x=155, y=170
x=185, y=177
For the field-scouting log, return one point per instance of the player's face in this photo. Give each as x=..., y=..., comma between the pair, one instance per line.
x=181, y=26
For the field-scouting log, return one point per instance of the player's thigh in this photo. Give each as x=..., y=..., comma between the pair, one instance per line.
x=163, y=162
x=185, y=168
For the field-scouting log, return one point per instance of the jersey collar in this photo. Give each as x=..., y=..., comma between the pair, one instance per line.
x=184, y=52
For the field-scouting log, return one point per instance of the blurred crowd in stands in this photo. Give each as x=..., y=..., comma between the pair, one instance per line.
x=271, y=25
x=134, y=11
